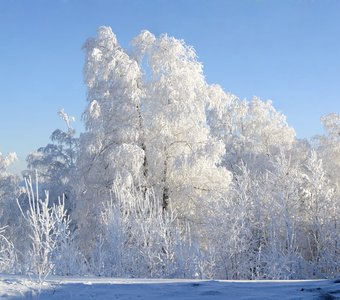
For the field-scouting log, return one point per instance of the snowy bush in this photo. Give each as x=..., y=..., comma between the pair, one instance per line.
x=48, y=231
x=8, y=258
x=140, y=239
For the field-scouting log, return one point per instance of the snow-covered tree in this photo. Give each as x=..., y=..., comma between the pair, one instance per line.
x=320, y=215
x=328, y=147
x=251, y=130
x=152, y=134
x=8, y=186
x=183, y=158
x=235, y=229
x=281, y=207
x=110, y=149
x=56, y=161
x=9, y=191
x=8, y=258
x=48, y=230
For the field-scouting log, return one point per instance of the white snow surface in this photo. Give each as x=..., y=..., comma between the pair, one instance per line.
x=83, y=288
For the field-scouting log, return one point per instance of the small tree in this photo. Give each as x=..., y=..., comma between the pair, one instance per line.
x=8, y=188
x=49, y=229
x=8, y=258
x=320, y=217
x=9, y=191
x=56, y=161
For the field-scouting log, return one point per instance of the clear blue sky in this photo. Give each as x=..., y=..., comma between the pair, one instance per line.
x=287, y=51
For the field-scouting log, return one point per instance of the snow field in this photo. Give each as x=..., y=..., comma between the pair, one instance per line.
x=76, y=288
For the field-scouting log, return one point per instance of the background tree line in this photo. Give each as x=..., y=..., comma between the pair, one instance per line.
x=172, y=177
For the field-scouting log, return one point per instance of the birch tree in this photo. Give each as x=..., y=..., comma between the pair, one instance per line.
x=110, y=148
x=252, y=130
x=183, y=158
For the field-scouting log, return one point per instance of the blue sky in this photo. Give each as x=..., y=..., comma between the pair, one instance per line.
x=287, y=51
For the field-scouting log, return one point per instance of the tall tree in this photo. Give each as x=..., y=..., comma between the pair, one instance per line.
x=183, y=158
x=110, y=148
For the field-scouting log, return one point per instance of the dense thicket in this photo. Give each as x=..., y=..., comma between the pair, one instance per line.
x=172, y=177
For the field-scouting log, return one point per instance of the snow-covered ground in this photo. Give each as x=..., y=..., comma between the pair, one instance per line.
x=21, y=287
